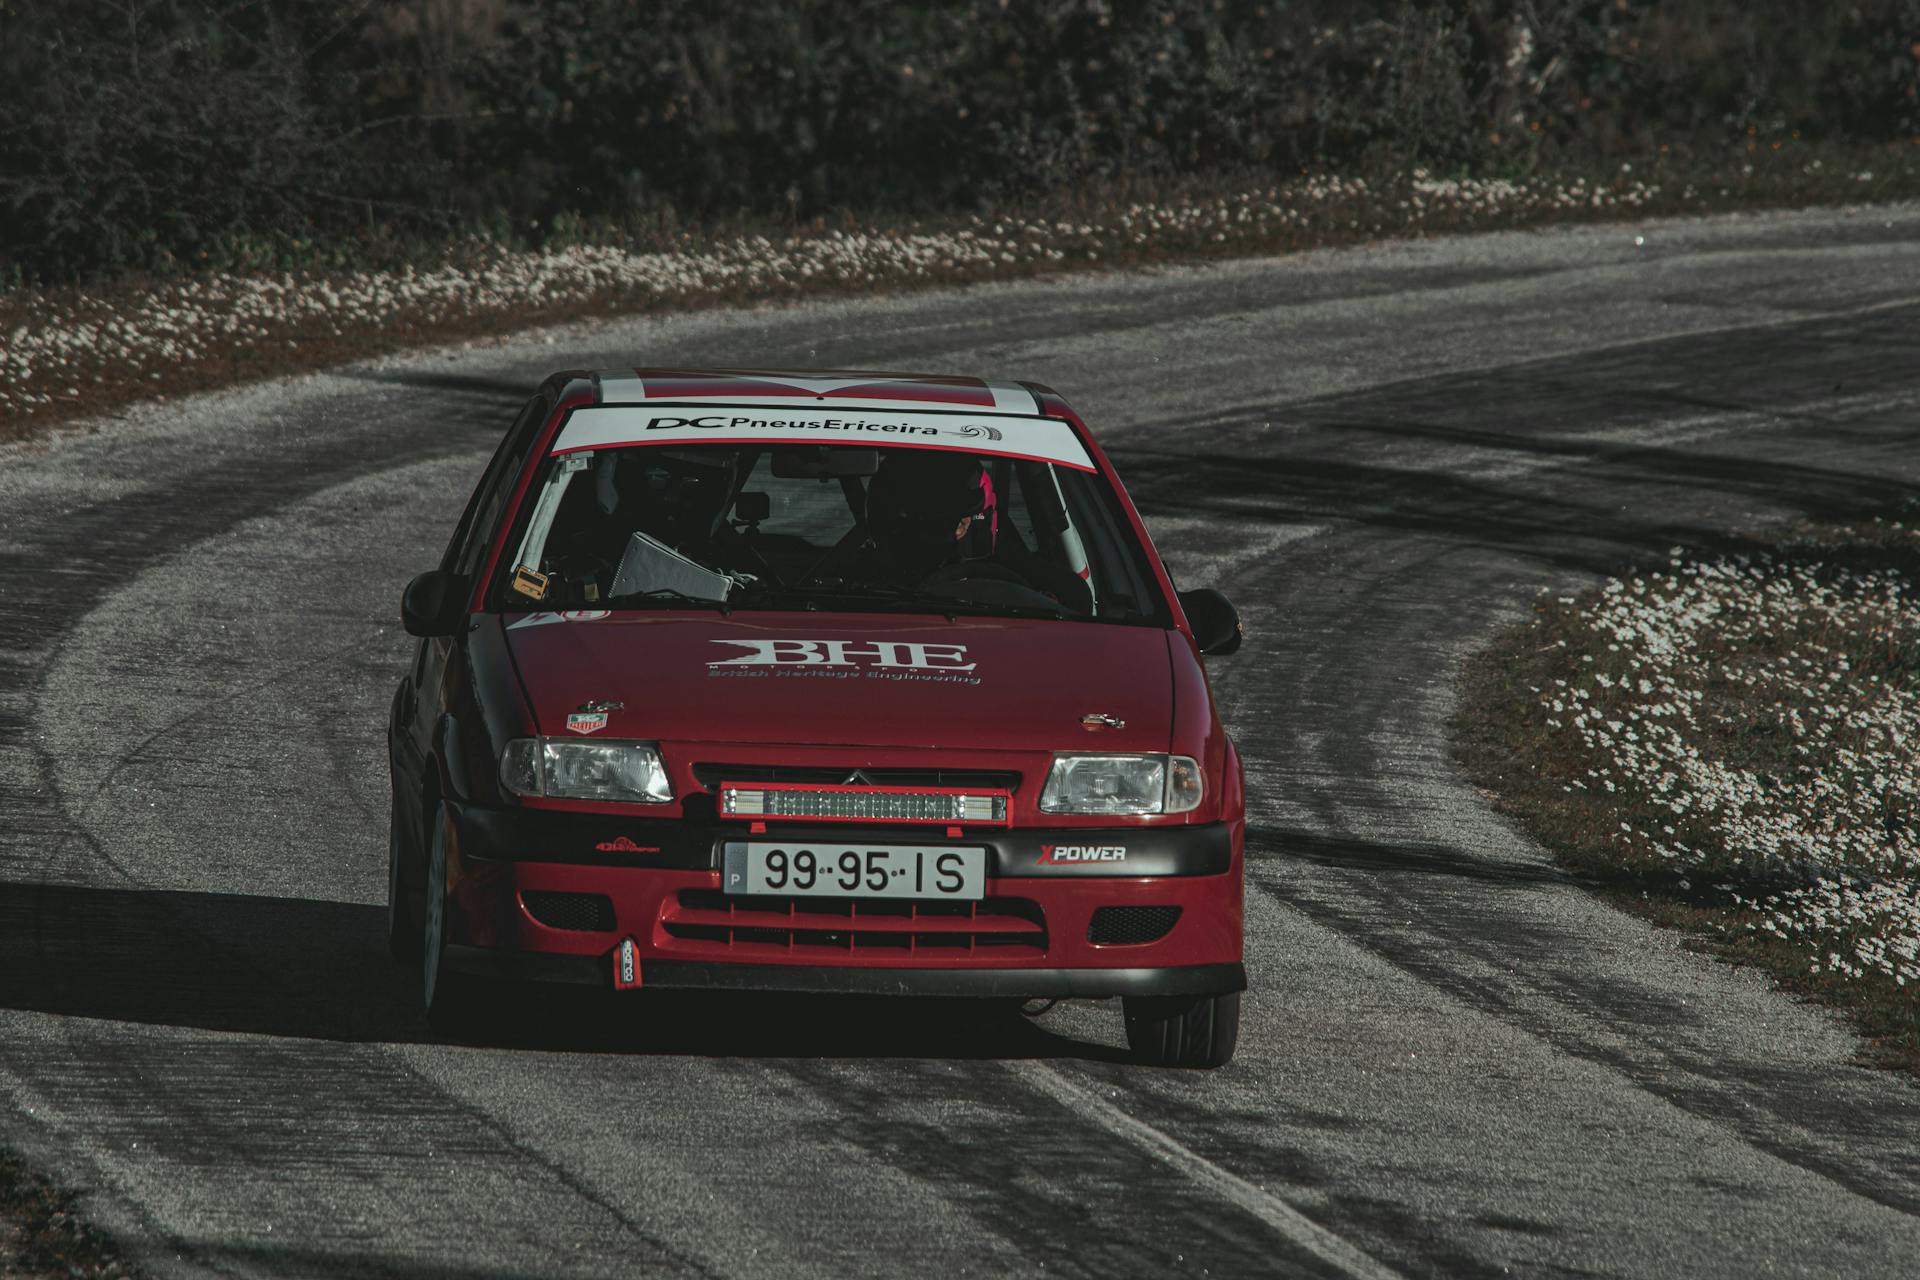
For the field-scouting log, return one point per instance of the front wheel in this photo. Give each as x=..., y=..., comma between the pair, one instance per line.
x=403, y=920
x=451, y=997
x=1183, y=1031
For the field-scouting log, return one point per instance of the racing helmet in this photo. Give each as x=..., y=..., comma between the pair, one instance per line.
x=672, y=494
x=919, y=496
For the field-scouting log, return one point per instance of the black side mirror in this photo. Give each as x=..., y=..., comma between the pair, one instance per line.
x=434, y=604
x=1215, y=622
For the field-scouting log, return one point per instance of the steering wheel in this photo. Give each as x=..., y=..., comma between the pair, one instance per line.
x=990, y=581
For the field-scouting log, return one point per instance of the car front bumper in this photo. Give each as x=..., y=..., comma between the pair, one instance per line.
x=659, y=884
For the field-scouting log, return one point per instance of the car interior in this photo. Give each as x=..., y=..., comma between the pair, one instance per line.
x=713, y=522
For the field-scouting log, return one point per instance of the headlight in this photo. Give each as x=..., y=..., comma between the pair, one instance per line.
x=1122, y=784
x=563, y=769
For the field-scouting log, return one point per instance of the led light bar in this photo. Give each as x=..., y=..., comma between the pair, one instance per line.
x=818, y=802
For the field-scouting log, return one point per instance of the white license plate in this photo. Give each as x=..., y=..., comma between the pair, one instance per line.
x=836, y=870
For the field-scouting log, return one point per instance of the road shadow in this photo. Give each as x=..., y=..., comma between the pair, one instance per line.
x=320, y=970
x=505, y=393
x=1585, y=527
x=1585, y=461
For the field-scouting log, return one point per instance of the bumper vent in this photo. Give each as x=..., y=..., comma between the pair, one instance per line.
x=1130, y=926
x=581, y=912
x=741, y=924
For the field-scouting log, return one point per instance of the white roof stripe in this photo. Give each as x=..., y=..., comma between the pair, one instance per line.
x=623, y=387
x=808, y=384
x=620, y=388
x=971, y=431
x=1011, y=397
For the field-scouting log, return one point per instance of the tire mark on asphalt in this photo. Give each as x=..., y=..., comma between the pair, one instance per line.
x=81, y=808
x=122, y=538
x=247, y=1120
x=1295, y=1227
x=1490, y=943
x=1059, y=1191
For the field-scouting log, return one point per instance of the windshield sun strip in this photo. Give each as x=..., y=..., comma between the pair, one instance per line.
x=630, y=424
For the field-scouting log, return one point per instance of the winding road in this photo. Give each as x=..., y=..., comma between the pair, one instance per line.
x=1455, y=1061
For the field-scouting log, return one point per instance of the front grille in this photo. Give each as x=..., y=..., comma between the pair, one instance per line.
x=813, y=800
x=1127, y=926
x=583, y=912
x=711, y=776
x=906, y=927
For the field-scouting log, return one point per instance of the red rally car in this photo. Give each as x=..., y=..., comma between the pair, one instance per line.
x=816, y=682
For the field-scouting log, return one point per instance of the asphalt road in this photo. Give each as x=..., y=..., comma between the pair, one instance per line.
x=1454, y=1061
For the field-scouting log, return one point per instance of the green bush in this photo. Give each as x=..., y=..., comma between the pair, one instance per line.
x=148, y=133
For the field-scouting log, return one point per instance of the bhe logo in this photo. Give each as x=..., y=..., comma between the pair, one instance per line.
x=878, y=654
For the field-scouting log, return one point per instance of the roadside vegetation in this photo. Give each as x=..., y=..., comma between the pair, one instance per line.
x=1731, y=744
x=42, y=1235
x=80, y=350
x=194, y=192
x=72, y=350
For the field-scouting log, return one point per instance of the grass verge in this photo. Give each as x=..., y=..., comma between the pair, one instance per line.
x=42, y=1234
x=1730, y=745
x=70, y=352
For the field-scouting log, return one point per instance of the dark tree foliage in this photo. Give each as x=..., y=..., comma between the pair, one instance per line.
x=137, y=133
x=134, y=128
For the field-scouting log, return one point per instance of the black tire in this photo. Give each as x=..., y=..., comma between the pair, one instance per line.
x=404, y=925
x=452, y=998
x=1183, y=1031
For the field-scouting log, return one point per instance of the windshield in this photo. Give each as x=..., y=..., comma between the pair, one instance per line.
x=803, y=526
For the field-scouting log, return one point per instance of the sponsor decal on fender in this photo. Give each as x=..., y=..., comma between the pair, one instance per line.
x=592, y=715
x=870, y=659
x=1061, y=855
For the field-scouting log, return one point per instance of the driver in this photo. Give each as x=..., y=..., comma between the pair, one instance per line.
x=927, y=510
x=933, y=520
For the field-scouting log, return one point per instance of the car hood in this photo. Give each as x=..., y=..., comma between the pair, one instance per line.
x=847, y=679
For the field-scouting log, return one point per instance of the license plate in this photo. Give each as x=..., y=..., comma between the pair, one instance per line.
x=820, y=870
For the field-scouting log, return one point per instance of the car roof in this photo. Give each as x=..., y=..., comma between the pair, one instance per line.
x=815, y=388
